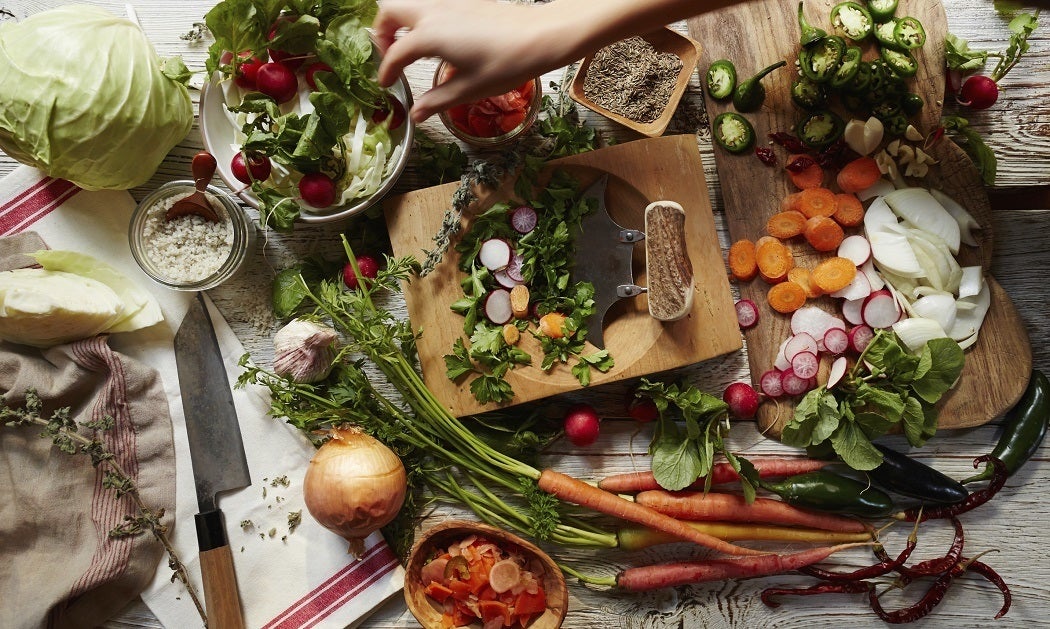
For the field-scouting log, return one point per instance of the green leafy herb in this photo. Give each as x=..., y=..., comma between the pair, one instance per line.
x=983, y=157
x=887, y=387
x=439, y=163
x=960, y=56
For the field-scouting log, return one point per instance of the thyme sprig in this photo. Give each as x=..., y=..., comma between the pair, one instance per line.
x=64, y=433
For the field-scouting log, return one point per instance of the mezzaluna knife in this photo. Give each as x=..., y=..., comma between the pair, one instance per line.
x=217, y=456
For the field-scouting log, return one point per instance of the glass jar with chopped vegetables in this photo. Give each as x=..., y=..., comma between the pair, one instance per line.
x=495, y=120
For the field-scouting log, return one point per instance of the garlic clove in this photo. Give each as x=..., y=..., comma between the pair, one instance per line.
x=304, y=351
x=893, y=147
x=874, y=131
x=911, y=133
x=854, y=136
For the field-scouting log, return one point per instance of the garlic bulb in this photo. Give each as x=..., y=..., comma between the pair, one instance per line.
x=304, y=351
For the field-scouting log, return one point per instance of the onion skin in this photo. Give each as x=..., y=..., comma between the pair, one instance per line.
x=354, y=485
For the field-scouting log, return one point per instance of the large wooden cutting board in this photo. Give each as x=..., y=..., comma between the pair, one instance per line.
x=755, y=34
x=642, y=171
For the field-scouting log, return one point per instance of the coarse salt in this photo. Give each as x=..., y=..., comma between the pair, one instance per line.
x=189, y=248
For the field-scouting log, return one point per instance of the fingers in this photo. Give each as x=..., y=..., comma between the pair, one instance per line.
x=392, y=15
x=454, y=91
x=399, y=54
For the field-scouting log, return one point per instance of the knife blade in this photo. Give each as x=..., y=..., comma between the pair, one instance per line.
x=216, y=454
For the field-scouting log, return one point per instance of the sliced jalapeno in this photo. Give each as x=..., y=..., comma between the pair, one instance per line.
x=884, y=33
x=810, y=34
x=820, y=128
x=721, y=79
x=912, y=104
x=819, y=61
x=733, y=132
x=900, y=61
x=882, y=10
x=808, y=94
x=848, y=67
x=886, y=109
x=909, y=34
x=852, y=20
x=895, y=125
x=853, y=102
x=861, y=80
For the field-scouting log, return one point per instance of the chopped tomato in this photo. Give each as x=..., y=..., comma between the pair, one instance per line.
x=487, y=594
x=461, y=615
x=460, y=589
x=491, y=610
x=481, y=124
x=511, y=120
x=459, y=115
x=526, y=90
x=438, y=592
x=528, y=604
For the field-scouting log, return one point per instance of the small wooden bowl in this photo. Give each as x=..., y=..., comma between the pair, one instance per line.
x=663, y=40
x=440, y=536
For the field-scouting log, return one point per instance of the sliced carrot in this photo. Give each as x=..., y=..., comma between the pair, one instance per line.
x=816, y=202
x=834, y=274
x=786, y=225
x=849, y=211
x=859, y=174
x=774, y=261
x=786, y=297
x=790, y=202
x=823, y=233
x=741, y=258
x=812, y=176
x=764, y=239
x=803, y=277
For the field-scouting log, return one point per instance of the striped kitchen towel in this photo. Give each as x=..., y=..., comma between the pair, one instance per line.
x=291, y=572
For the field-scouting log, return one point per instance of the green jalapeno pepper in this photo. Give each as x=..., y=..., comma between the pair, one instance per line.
x=853, y=102
x=819, y=61
x=900, y=61
x=895, y=125
x=810, y=35
x=808, y=94
x=733, y=132
x=820, y=128
x=906, y=476
x=886, y=108
x=1024, y=427
x=833, y=493
x=882, y=10
x=749, y=94
x=884, y=33
x=861, y=80
x=721, y=79
x=852, y=20
x=912, y=104
x=848, y=67
x=909, y=34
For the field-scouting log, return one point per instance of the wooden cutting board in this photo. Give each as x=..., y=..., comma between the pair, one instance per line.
x=642, y=171
x=755, y=34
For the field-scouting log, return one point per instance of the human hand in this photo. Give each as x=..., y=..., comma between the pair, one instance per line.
x=494, y=47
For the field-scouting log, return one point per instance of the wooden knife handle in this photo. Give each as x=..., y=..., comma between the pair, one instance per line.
x=222, y=601
x=668, y=269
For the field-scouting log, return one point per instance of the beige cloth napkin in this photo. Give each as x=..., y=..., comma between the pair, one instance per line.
x=303, y=578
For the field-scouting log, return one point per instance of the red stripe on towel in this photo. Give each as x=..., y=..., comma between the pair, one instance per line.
x=35, y=203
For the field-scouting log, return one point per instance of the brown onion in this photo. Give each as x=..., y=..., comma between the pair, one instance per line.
x=354, y=485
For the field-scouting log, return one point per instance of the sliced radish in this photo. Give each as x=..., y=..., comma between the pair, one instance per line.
x=514, y=268
x=851, y=310
x=876, y=281
x=746, y=313
x=523, y=219
x=495, y=254
x=855, y=248
x=880, y=309
x=782, y=363
x=801, y=342
x=838, y=369
x=771, y=383
x=497, y=306
x=805, y=364
x=860, y=336
x=793, y=384
x=504, y=279
x=836, y=341
x=814, y=321
x=859, y=288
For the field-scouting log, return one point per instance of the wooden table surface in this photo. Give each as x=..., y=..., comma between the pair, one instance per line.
x=1017, y=128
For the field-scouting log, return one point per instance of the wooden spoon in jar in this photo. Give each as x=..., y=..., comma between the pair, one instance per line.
x=203, y=169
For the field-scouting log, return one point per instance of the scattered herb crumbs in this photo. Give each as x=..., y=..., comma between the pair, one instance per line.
x=281, y=481
x=247, y=524
x=242, y=549
x=295, y=518
x=264, y=493
x=272, y=532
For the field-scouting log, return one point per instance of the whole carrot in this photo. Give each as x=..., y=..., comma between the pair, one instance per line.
x=577, y=492
x=767, y=467
x=680, y=573
x=690, y=505
x=638, y=537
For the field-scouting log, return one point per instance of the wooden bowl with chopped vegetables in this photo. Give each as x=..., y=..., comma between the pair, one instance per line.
x=468, y=574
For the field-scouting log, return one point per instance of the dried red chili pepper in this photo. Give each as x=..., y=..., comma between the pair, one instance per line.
x=935, y=594
x=835, y=155
x=766, y=155
x=788, y=141
x=886, y=564
x=852, y=587
x=933, y=566
x=799, y=163
x=933, y=138
x=987, y=572
x=974, y=500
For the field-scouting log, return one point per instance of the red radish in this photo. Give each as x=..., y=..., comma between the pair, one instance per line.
x=742, y=400
x=366, y=264
x=978, y=92
x=771, y=383
x=642, y=409
x=855, y=248
x=859, y=288
x=801, y=342
x=396, y=112
x=277, y=81
x=814, y=321
x=514, y=268
x=852, y=310
x=523, y=219
x=805, y=365
x=836, y=341
x=838, y=369
x=497, y=306
x=247, y=70
x=581, y=425
x=880, y=309
x=504, y=279
x=317, y=190
x=746, y=313
x=255, y=168
x=793, y=384
x=859, y=337
x=313, y=69
x=495, y=254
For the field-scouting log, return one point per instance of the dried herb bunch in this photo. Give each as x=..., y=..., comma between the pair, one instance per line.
x=64, y=433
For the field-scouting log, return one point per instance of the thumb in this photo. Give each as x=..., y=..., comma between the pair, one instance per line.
x=457, y=90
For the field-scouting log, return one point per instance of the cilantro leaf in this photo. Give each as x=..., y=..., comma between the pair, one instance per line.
x=458, y=363
x=600, y=360
x=676, y=460
x=491, y=388
x=946, y=363
x=855, y=448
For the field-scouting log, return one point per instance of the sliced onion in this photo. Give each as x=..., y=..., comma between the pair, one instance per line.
x=971, y=282
x=814, y=321
x=859, y=288
x=914, y=332
x=838, y=369
x=939, y=307
x=878, y=216
x=781, y=362
x=966, y=221
x=880, y=188
x=968, y=320
x=868, y=269
x=893, y=253
x=919, y=209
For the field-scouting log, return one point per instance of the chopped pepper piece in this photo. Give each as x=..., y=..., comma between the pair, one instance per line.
x=733, y=132
x=819, y=129
x=819, y=61
x=909, y=33
x=721, y=79
x=852, y=20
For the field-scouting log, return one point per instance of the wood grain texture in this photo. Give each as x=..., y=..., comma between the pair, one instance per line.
x=221, y=599
x=752, y=191
x=665, y=168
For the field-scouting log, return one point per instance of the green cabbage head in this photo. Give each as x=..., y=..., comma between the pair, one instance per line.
x=84, y=97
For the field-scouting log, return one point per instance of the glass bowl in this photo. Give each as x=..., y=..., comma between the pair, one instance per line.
x=189, y=253
x=455, y=119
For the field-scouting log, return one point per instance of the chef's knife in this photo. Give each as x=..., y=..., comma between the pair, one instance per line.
x=603, y=257
x=217, y=456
